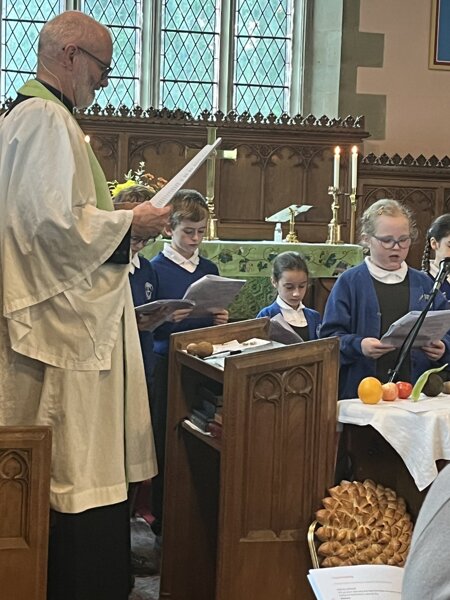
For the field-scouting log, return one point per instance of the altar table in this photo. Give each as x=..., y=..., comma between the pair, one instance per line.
x=252, y=260
x=398, y=444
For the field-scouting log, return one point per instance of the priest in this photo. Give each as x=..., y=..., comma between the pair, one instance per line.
x=69, y=346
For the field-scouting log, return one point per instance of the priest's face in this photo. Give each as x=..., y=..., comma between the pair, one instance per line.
x=90, y=75
x=187, y=236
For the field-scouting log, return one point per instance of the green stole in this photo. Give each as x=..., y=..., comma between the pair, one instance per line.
x=35, y=89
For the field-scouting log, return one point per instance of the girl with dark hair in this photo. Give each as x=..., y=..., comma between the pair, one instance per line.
x=290, y=279
x=438, y=241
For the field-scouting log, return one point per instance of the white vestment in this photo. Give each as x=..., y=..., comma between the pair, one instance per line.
x=69, y=346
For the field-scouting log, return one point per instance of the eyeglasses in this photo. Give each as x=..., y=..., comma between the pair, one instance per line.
x=106, y=69
x=389, y=243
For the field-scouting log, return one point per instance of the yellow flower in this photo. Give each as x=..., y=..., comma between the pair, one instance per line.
x=138, y=177
x=118, y=187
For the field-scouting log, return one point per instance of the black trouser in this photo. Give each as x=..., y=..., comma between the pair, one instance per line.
x=89, y=554
x=158, y=407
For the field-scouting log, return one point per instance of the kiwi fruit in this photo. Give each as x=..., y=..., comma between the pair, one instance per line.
x=202, y=349
x=433, y=386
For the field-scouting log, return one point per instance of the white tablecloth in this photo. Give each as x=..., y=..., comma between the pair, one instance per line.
x=418, y=431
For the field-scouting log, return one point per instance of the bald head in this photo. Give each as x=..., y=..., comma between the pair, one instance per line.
x=72, y=27
x=74, y=56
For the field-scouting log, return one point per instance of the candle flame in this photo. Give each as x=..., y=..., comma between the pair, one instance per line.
x=355, y=150
x=87, y=139
x=337, y=150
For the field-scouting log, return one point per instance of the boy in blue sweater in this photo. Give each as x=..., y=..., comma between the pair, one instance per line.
x=176, y=267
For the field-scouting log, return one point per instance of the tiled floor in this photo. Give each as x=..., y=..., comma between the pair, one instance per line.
x=142, y=544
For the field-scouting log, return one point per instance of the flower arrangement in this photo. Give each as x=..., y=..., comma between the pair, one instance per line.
x=138, y=177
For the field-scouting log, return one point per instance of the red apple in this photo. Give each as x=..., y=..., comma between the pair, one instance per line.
x=404, y=389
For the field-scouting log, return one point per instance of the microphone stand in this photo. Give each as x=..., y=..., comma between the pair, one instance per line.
x=409, y=339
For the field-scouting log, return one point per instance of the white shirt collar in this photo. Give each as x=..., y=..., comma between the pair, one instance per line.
x=293, y=316
x=386, y=276
x=190, y=264
x=135, y=263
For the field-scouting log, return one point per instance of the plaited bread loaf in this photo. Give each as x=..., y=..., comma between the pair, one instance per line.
x=363, y=523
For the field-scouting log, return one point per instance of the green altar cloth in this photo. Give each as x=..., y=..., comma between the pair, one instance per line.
x=252, y=261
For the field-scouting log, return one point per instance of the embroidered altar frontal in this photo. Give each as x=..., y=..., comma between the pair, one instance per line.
x=252, y=261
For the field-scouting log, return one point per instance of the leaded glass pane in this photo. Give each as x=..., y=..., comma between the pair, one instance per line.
x=125, y=22
x=21, y=23
x=262, y=55
x=189, y=54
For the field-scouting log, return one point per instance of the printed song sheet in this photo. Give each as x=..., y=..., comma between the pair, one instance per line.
x=164, y=195
x=212, y=292
x=361, y=582
x=169, y=305
x=435, y=326
x=159, y=311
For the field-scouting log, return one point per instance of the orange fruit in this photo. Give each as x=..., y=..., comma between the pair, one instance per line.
x=390, y=392
x=370, y=390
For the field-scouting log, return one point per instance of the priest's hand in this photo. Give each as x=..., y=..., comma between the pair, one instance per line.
x=148, y=221
x=434, y=350
x=373, y=348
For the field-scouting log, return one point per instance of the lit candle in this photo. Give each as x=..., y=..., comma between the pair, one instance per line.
x=354, y=167
x=337, y=158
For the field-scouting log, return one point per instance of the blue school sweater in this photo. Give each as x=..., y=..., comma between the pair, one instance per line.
x=172, y=283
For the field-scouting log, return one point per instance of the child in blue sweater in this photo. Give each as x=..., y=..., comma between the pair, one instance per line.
x=290, y=279
x=177, y=266
x=366, y=299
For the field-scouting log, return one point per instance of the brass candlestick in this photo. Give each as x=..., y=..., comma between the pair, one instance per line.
x=334, y=229
x=352, y=197
x=292, y=236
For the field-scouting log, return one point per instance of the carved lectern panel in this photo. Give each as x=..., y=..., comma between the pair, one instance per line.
x=14, y=497
x=24, y=511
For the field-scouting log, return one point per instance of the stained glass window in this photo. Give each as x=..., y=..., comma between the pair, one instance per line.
x=188, y=54
x=20, y=26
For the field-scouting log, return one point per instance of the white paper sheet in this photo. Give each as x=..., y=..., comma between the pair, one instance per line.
x=169, y=305
x=359, y=582
x=435, y=326
x=164, y=195
x=212, y=292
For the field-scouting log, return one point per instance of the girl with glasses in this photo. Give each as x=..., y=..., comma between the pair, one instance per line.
x=438, y=242
x=368, y=298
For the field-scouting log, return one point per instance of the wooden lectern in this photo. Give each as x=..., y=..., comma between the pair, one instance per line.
x=237, y=510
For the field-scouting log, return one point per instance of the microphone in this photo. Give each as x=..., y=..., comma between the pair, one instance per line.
x=444, y=268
